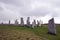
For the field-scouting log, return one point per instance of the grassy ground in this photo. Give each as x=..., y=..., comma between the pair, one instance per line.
x=24, y=33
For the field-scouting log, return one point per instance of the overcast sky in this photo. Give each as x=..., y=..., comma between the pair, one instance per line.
x=36, y=9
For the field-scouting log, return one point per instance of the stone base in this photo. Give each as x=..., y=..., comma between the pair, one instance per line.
x=51, y=33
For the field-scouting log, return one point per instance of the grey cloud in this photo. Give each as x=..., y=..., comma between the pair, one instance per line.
x=25, y=4
x=36, y=12
x=7, y=12
x=19, y=3
x=12, y=2
x=15, y=8
x=1, y=8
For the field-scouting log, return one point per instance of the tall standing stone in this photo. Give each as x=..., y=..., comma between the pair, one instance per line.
x=28, y=21
x=51, y=26
x=38, y=23
x=22, y=22
x=33, y=24
x=16, y=22
x=9, y=21
x=41, y=22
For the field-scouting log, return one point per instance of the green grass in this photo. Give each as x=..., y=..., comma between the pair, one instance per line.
x=41, y=32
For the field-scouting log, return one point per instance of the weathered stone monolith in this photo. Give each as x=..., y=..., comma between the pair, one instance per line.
x=28, y=21
x=38, y=23
x=34, y=24
x=16, y=22
x=22, y=22
x=9, y=21
x=51, y=27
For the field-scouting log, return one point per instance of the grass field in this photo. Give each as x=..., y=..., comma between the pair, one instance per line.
x=24, y=33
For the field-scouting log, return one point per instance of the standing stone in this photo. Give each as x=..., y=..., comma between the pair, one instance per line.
x=2, y=23
x=38, y=23
x=22, y=21
x=51, y=27
x=28, y=21
x=16, y=22
x=9, y=21
x=33, y=24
